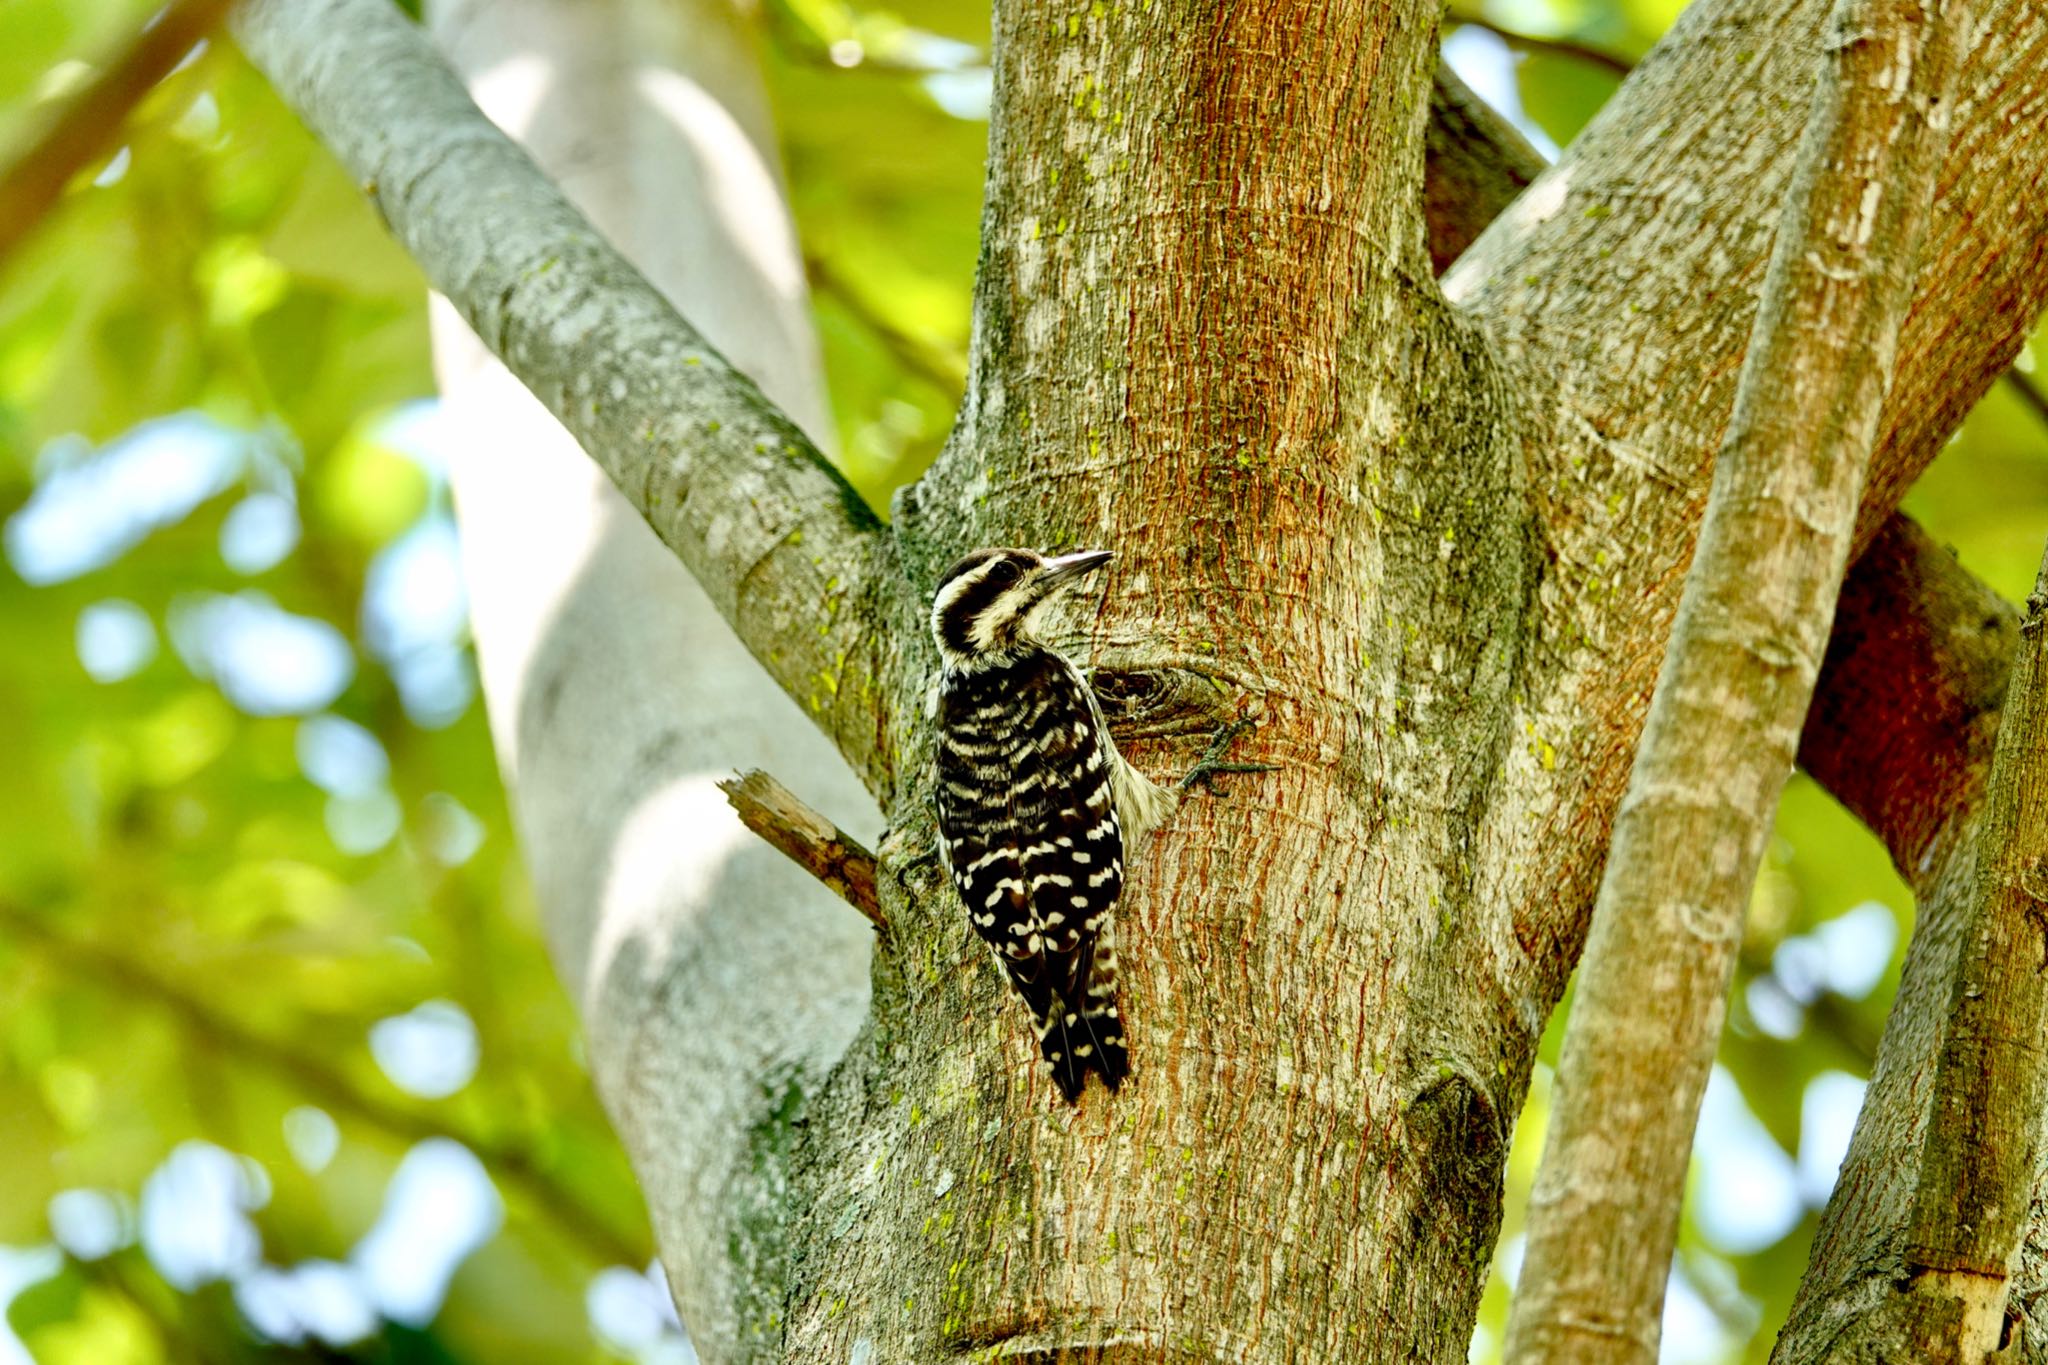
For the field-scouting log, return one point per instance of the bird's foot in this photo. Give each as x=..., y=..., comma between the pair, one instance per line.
x=1210, y=765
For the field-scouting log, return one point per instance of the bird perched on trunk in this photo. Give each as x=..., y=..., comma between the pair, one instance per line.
x=1036, y=807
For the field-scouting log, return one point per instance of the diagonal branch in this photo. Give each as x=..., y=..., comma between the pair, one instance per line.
x=318, y=1080
x=1475, y=163
x=1901, y=731
x=1906, y=708
x=89, y=124
x=781, y=543
x=1737, y=679
x=718, y=991
x=831, y=855
x=1478, y=163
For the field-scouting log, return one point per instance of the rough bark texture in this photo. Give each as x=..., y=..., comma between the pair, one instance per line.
x=1865, y=1296
x=1982, y=1145
x=1620, y=288
x=1203, y=288
x=1434, y=551
x=1901, y=730
x=1738, y=674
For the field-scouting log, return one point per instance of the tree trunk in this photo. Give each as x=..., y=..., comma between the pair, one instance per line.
x=1430, y=541
x=1193, y=296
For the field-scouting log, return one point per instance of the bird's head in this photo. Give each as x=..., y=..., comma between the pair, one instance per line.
x=987, y=602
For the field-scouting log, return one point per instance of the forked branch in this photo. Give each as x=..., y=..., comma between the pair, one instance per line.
x=1906, y=707
x=1737, y=679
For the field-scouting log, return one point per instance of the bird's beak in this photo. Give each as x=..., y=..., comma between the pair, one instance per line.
x=1059, y=570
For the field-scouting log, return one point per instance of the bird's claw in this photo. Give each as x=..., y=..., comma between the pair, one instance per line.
x=1210, y=765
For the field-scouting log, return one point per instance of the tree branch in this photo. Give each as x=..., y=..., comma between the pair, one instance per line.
x=778, y=539
x=1620, y=291
x=1906, y=711
x=91, y=122
x=96, y=965
x=1737, y=678
x=1564, y=47
x=1982, y=1144
x=718, y=986
x=1906, y=708
x=1475, y=163
x=807, y=839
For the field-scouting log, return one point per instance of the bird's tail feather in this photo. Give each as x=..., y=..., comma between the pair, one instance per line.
x=1076, y=1019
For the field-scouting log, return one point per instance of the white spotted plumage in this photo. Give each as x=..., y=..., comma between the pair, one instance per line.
x=1035, y=805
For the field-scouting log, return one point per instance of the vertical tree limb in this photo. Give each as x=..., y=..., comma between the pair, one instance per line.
x=1982, y=1145
x=1737, y=679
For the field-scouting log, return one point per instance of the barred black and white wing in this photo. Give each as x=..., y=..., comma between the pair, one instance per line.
x=1028, y=817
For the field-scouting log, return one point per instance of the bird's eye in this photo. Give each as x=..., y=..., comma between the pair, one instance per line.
x=1004, y=571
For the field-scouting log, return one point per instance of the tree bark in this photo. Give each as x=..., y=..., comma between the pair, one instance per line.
x=1931, y=1247
x=1476, y=164
x=1982, y=1147
x=1433, y=550
x=1618, y=288
x=830, y=855
x=1901, y=731
x=1737, y=678
x=714, y=979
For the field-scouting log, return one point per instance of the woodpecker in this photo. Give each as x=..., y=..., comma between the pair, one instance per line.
x=1035, y=804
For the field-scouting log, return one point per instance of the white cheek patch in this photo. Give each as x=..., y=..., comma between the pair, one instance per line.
x=948, y=596
x=1005, y=610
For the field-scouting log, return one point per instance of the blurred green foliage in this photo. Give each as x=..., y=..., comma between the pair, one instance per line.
x=226, y=875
